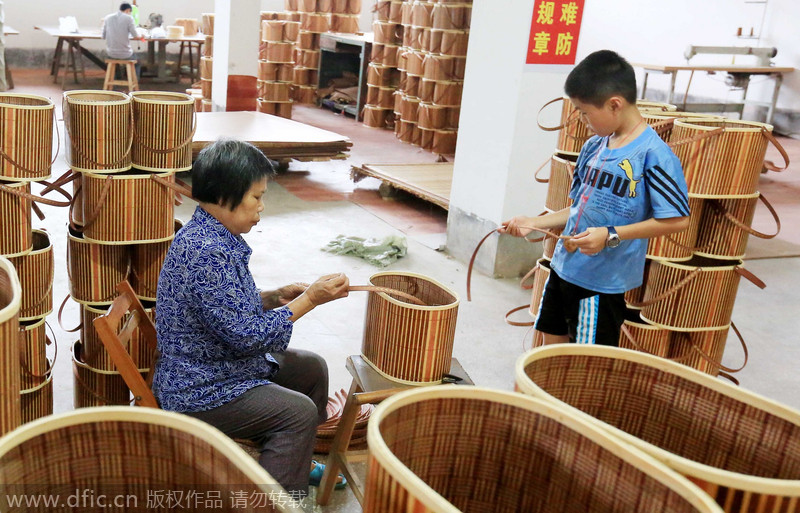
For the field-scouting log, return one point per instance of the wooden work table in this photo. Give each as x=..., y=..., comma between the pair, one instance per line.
x=742, y=72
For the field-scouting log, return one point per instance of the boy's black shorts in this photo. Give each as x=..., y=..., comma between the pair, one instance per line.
x=588, y=317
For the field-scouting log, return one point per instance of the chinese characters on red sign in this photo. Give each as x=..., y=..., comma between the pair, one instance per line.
x=555, y=28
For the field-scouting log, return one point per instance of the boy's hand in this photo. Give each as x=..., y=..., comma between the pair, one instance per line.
x=591, y=241
x=518, y=226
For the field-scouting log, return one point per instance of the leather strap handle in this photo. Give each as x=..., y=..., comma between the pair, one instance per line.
x=768, y=163
x=101, y=201
x=741, y=271
x=670, y=291
x=180, y=188
x=518, y=323
x=625, y=331
x=5, y=156
x=573, y=117
x=387, y=290
x=179, y=147
x=744, y=227
x=38, y=199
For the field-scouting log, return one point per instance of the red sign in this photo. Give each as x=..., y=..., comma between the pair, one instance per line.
x=555, y=28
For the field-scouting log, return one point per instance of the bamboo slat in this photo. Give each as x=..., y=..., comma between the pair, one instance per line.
x=10, y=384
x=26, y=137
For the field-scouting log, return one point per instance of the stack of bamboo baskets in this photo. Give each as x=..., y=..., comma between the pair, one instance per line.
x=383, y=77
x=344, y=16
x=124, y=151
x=26, y=157
x=276, y=63
x=315, y=19
x=683, y=309
x=206, y=63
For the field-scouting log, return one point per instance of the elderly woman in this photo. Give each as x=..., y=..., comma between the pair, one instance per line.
x=224, y=355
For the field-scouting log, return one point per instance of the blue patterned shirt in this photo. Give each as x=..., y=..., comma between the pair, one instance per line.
x=213, y=334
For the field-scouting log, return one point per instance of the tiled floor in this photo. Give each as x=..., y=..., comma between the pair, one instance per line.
x=312, y=203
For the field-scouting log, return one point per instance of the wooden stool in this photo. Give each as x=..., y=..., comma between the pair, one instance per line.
x=130, y=70
x=194, y=64
x=368, y=387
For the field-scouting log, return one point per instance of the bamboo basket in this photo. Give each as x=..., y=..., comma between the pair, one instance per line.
x=697, y=295
x=407, y=131
x=344, y=23
x=208, y=47
x=16, y=237
x=279, y=30
x=391, y=11
x=639, y=335
x=377, y=117
x=123, y=453
x=739, y=447
x=384, y=54
x=700, y=350
x=206, y=88
x=100, y=129
x=94, y=353
x=164, y=124
x=426, y=138
x=451, y=16
x=725, y=226
x=274, y=91
x=129, y=207
x=304, y=76
x=444, y=142
x=308, y=40
x=382, y=76
x=411, y=84
x=426, y=88
x=34, y=366
x=540, y=275
x=95, y=269
x=417, y=38
x=207, y=68
x=448, y=93
x=679, y=246
x=383, y=97
x=431, y=117
x=146, y=263
x=76, y=214
x=449, y=42
x=282, y=109
x=562, y=165
x=449, y=449
x=280, y=52
x=444, y=68
x=421, y=14
x=37, y=401
x=35, y=271
x=549, y=243
x=414, y=63
x=304, y=94
x=276, y=72
x=10, y=302
x=96, y=387
x=572, y=130
x=190, y=25
x=409, y=107
x=727, y=162
x=308, y=59
x=208, y=23
x=405, y=342
x=654, y=107
x=26, y=137
x=387, y=32
x=318, y=22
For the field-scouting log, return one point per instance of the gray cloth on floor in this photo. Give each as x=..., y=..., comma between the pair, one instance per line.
x=379, y=252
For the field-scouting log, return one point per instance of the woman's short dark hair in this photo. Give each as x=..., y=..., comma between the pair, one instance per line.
x=226, y=169
x=600, y=76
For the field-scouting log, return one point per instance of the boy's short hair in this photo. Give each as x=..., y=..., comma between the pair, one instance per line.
x=226, y=169
x=125, y=6
x=600, y=76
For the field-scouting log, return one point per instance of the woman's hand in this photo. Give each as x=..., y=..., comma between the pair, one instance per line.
x=327, y=288
x=283, y=296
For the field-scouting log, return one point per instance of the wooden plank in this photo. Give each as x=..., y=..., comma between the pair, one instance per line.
x=733, y=68
x=277, y=137
x=431, y=182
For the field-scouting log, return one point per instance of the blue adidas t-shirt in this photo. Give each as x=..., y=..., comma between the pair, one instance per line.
x=620, y=186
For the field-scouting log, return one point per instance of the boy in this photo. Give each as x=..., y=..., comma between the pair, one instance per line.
x=627, y=186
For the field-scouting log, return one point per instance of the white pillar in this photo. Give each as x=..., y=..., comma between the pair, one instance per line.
x=237, y=34
x=499, y=143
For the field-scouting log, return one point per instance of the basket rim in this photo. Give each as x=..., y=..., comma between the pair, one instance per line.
x=74, y=97
x=179, y=98
x=633, y=456
x=13, y=306
x=682, y=265
x=32, y=324
x=48, y=381
x=119, y=176
x=685, y=466
x=142, y=415
x=385, y=296
x=750, y=126
x=49, y=104
x=45, y=249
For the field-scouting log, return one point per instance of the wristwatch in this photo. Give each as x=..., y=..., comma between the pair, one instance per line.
x=613, y=239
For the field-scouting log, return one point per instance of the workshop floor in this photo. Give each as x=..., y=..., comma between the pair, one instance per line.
x=312, y=203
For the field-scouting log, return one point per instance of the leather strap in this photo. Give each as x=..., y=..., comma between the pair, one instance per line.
x=92, y=217
x=7, y=157
x=625, y=331
x=387, y=290
x=60, y=320
x=670, y=291
x=179, y=147
x=518, y=323
x=47, y=201
x=742, y=226
x=180, y=188
x=768, y=163
x=741, y=271
x=572, y=118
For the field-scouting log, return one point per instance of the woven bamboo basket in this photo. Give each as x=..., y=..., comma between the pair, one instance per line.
x=95, y=269
x=36, y=272
x=383, y=97
x=562, y=165
x=76, y=214
x=425, y=90
x=405, y=342
x=727, y=161
x=307, y=40
x=414, y=63
x=549, y=243
x=432, y=117
x=426, y=138
x=739, y=447
x=309, y=59
x=280, y=52
x=16, y=237
x=303, y=75
x=100, y=129
x=653, y=107
x=387, y=32
x=679, y=246
x=639, y=335
x=282, y=109
x=206, y=87
x=378, y=117
x=163, y=130
x=540, y=275
x=391, y=11
x=190, y=25
x=33, y=353
x=696, y=295
x=276, y=72
x=448, y=93
x=382, y=76
x=421, y=14
x=207, y=105
x=207, y=68
x=279, y=30
x=411, y=84
x=344, y=23
x=725, y=226
x=409, y=108
x=304, y=94
x=408, y=132
x=444, y=142
x=451, y=16
x=26, y=137
x=207, y=20
x=10, y=302
x=443, y=68
x=450, y=42
x=96, y=387
x=129, y=207
x=93, y=352
x=208, y=47
x=37, y=401
x=385, y=54
x=318, y=22
x=146, y=263
x=133, y=454
x=417, y=38
x=291, y=5
x=449, y=449
x=274, y=91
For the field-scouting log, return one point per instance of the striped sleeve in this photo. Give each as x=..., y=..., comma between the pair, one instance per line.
x=668, y=194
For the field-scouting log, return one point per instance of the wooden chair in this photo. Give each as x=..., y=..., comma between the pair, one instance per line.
x=116, y=341
x=132, y=83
